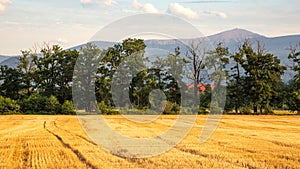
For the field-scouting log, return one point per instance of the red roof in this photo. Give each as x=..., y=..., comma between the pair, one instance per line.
x=202, y=87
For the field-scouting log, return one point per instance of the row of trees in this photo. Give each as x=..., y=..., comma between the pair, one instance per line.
x=43, y=80
x=41, y=83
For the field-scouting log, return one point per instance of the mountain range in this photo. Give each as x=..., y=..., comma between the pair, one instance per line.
x=231, y=39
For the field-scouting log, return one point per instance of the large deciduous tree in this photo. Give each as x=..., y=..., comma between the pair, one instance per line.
x=262, y=72
x=54, y=71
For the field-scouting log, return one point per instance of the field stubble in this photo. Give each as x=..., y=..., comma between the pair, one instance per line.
x=239, y=142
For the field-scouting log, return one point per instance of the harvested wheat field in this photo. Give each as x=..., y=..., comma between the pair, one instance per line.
x=239, y=142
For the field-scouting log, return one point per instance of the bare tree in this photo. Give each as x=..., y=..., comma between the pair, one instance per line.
x=196, y=54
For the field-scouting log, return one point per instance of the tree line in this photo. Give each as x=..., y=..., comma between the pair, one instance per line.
x=42, y=82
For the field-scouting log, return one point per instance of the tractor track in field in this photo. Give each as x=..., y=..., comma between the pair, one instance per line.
x=188, y=151
x=77, y=135
x=78, y=154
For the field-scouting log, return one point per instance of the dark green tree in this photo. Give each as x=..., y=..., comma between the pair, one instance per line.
x=27, y=68
x=236, y=95
x=262, y=72
x=295, y=82
x=125, y=58
x=10, y=82
x=65, y=68
x=53, y=71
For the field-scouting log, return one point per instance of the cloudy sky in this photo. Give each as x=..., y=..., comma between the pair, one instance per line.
x=26, y=23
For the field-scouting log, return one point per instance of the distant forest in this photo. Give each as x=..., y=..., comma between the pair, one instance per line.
x=42, y=82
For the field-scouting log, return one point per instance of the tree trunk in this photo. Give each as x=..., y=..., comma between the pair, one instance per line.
x=236, y=109
x=255, y=109
x=261, y=110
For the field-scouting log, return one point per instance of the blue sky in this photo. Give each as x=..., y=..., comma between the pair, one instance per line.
x=28, y=23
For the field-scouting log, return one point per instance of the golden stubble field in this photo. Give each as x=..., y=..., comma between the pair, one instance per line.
x=239, y=142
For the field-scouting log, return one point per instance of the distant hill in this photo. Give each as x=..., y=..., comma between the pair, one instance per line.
x=3, y=58
x=234, y=35
x=12, y=61
x=231, y=39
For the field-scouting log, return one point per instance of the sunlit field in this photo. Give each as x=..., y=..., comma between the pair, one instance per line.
x=239, y=142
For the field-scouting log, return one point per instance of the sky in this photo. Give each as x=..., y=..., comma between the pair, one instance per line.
x=25, y=24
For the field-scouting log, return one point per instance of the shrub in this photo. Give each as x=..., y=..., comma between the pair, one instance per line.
x=38, y=104
x=268, y=110
x=102, y=107
x=112, y=111
x=9, y=106
x=52, y=105
x=68, y=108
x=245, y=110
x=171, y=108
x=202, y=111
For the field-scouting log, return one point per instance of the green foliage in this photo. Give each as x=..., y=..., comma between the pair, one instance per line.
x=112, y=111
x=42, y=84
x=39, y=104
x=105, y=110
x=68, y=108
x=102, y=107
x=52, y=105
x=54, y=72
x=217, y=61
x=262, y=73
x=295, y=83
x=171, y=108
x=294, y=101
x=131, y=46
x=268, y=110
x=202, y=111
x=27, y=69
x=9, y=106
x=245, y=110
x=131, y=53
x=10, y=82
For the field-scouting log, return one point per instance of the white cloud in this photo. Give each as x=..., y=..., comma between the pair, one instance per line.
x=86, y=1
x=3, y=4
x=177, y=9
x=61, y=41
x=216, y=13
x=129, y=11
x=110, y=3
x=146, y=7
x=222, y=15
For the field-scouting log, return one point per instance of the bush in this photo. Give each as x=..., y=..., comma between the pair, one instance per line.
x=107, y=110
x=202, y=111
x=171, y=108
x=9, y=106
x=112, y=111
x=245, y=110
x=268, y=110
x=102, y=107
x=52, y=105
x=38, y=104
x=68, y=108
